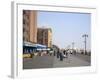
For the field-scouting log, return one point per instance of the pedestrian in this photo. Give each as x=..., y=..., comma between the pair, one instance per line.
x=74, y=52
x=54, y=53
x=39, y=53
x=61, y=56
x=58, y=54
x=66, y=54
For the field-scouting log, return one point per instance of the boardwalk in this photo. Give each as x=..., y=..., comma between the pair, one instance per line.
x=53, y=62
x=72, y=61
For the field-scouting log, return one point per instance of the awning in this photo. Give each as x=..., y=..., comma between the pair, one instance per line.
x=38, y=47
x=33, y=45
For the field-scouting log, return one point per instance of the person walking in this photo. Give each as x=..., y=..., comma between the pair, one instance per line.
x=54, y=53
x=61, y=56
x=58, y=54
x=66, y=53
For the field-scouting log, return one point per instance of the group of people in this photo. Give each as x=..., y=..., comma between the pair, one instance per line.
x=61, y=54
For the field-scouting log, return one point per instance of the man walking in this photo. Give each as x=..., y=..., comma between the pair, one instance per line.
x=58, y=54
x=61, y=55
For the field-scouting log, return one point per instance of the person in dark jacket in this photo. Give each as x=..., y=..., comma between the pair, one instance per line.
x=61, y=56
x=58, y=54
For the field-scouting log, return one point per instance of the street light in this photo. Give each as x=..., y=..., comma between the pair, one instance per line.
x=85, y=42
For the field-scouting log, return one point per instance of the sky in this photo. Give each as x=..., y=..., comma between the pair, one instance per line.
x=67, y=27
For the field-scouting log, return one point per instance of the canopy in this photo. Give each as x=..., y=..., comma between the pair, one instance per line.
x=33, y=45
x=38, y=47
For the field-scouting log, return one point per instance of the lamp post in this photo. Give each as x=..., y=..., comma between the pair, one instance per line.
x=85, y=42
